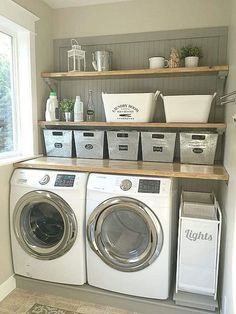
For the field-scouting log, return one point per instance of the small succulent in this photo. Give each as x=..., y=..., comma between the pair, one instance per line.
x=190, y=51
x=66, y=105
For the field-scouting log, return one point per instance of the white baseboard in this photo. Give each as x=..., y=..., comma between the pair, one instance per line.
x=7, y=287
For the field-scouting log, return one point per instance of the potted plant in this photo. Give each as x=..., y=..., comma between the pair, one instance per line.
x=67, y=106
x=191, y=55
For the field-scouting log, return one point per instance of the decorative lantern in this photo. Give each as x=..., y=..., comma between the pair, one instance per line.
x=76, y=57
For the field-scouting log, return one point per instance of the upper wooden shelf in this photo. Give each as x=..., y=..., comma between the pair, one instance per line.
x=203, y=70
x=45, y=124
x=176, y=170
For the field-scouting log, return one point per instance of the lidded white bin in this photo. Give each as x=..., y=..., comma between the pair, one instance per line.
x=131, y=107
x=188, y=108
x=198, y=244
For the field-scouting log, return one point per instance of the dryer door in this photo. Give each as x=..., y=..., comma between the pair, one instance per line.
x=44, y=225
x=125, y=234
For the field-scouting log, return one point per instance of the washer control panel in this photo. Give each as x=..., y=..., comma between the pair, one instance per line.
x=126, y=185
x=65, y=180
x=149, y=186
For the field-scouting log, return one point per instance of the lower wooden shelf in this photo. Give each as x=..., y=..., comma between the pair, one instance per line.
x=177, y=170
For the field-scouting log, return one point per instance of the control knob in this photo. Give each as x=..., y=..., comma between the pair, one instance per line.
x=45, y=179
x=125, y=185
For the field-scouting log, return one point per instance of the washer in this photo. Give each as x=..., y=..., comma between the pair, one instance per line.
x=47, y=215
x=131, y=234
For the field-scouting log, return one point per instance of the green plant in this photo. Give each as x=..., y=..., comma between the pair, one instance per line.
x=66, y=105
x=190, y=51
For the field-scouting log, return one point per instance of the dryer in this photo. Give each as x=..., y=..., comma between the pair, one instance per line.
x=47, y=217
x=131, y=233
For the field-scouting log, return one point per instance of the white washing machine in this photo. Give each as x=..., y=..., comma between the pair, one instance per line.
x=131, y=233
x=47, y=216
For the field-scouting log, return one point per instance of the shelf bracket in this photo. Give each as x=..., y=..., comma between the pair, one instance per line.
x=222, y=75
x=221, y=131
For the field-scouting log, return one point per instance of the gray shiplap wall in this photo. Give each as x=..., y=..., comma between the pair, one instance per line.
x=132, y=52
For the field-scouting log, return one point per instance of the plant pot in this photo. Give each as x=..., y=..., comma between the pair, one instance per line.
x=191, y=62
x=68, y=116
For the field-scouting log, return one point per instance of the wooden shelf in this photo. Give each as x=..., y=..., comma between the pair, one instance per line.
x=203, y=70
x=177, y=170
x=61, y=124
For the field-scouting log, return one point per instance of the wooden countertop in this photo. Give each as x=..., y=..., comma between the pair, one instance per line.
x=177, y=170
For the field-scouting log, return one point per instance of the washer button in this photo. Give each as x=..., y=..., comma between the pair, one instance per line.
x=44, y=180
x=125, y=185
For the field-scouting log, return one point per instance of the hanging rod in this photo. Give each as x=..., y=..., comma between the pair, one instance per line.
x=228, y=95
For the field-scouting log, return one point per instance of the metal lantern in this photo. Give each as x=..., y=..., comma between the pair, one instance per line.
x=76, y=57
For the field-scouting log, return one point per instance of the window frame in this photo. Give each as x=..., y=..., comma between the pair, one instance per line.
x=20, y=24
x=14, y=96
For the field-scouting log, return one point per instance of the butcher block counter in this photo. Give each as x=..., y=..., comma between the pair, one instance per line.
x=177, y=170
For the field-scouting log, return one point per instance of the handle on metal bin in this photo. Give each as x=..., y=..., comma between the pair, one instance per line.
x=157, y=149
x=122, y=135
x=57, y=133
x=88, y=134
x=198, y=137
x=158, y=136
x=197, y=150
x=157, y=93
x=123, y=147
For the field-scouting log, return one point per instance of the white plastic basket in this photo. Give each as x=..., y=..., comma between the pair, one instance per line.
x=137, y=107
x=188, y=108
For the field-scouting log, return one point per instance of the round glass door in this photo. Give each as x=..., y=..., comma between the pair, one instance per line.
x=125, y=233
x=45, y=225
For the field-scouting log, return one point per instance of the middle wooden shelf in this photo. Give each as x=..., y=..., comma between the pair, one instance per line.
x=144, y=125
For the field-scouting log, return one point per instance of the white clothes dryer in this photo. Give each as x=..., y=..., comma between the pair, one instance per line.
x=47, y=217
x=131, y=233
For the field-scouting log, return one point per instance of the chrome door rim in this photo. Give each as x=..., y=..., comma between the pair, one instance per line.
x=94, y=227
x=67, y=214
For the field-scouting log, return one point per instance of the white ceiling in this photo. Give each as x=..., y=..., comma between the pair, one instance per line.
x=57, y=4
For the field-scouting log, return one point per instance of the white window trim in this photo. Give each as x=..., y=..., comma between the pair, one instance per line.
x=19, y=21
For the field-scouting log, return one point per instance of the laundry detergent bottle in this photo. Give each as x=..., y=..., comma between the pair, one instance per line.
x=52, y=110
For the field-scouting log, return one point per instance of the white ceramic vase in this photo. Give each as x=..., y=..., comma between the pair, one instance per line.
x=191, y=62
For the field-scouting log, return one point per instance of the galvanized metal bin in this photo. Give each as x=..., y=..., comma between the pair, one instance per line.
x=89, y=144
x=58, y=143
x=158, y=146
x=198, y=148
x=123, y=145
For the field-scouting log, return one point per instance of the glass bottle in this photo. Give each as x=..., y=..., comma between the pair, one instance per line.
x=90, y=107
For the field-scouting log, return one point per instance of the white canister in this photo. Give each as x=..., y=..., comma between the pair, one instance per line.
x=191, y=62
x=158, y=62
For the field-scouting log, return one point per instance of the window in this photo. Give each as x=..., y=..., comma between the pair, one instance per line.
x=18, y=105
x=8, y=108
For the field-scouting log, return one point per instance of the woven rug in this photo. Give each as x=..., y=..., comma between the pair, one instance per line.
x=46, y=309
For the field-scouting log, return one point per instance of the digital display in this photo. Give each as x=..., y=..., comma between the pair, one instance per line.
x=66, y=180
x=149, y=186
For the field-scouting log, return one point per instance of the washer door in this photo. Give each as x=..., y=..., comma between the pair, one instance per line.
x=125, y=234
x=44, y=224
